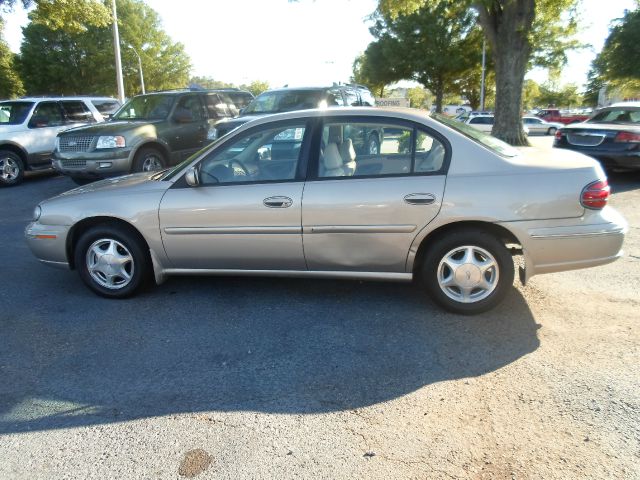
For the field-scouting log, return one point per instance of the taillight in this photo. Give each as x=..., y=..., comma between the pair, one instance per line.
x=595, y=195
x=558, y=134
x=627, y=137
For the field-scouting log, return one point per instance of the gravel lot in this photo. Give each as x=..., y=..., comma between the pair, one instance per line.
x=235, y=378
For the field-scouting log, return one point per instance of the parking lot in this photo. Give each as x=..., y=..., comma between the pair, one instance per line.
x=288, y=378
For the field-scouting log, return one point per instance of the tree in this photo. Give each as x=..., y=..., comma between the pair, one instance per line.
x=10, y=83
x=372, y=70
x=256, y=87
x=435, y=45
x=70, y=15
x=55, y=61
x=621, y=51
x=519, y=32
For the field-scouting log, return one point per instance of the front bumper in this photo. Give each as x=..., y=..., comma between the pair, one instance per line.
x=93, y=165
x=48, y=243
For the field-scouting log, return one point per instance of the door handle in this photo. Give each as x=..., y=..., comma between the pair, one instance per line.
x=277, y=202
x=420, y=198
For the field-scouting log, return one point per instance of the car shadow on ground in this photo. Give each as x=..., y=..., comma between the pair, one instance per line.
x=238, y=344
x=623, y=181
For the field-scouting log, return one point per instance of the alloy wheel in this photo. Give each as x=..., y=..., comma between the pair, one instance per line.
x=468, y=274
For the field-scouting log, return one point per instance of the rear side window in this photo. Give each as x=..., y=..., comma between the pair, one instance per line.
x=354, y=149
x=218, y=106
x=46, y=114
x=77, y=112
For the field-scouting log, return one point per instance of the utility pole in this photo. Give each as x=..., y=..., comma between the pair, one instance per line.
x=116, y=45
x=139, y=68
x=484, y=58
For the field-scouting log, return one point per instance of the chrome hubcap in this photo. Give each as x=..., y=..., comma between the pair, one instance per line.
x=9, y=169
x=110, y=263
x=151, y=163
x=468, y=274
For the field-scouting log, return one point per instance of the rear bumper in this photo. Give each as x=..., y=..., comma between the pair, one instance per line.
x=556, y=248
x=608, y=158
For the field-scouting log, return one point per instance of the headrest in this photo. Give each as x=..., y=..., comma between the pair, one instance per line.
x=347, y=152
x=331, y=158
x=335, y=134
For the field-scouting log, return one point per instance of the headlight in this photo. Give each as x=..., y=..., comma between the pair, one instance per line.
x=111, y=142
x=36, y=213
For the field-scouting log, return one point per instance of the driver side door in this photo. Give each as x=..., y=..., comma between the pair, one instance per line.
x=246, y=212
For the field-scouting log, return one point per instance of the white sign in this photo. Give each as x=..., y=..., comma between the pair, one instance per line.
x=392, y=102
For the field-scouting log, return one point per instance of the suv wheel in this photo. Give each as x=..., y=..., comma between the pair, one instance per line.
x=111, y=261
x=148, y=160
x=468, y=272
x=11, y=168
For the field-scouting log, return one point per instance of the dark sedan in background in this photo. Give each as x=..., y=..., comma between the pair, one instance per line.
x=612, y=136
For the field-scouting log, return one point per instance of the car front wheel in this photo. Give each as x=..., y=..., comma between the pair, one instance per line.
x=552, y=131
x=11, y=168
x=148, y=160
x=111, y=261
x=468, y=271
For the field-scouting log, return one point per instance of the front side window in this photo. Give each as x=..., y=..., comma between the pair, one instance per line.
x=269, y=154
x=189, y=109
x=77, y=111
x=146, y=107
x=354, y=149
x=46, y=114
x=14, y=113
x=106, y=107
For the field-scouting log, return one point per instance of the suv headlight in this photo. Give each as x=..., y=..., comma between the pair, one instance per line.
x=36, y=213
x=111, y=142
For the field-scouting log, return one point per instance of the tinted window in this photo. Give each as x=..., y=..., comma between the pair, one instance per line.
x=189, y=107
x=14, y=113
x=106, y=107
x=77, y=111
x=218, y=106
x=286, y=101
x=354, y=149
x=269, y=154
x=146, y=107
x=240, y=99
x=46, y=114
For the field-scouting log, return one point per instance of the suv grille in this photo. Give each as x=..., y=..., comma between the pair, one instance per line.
x=73, y=163
x=75, y=144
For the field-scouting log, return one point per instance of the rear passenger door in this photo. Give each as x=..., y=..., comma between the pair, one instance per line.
x=362, y=211
x=44, y=125
x=189, y=128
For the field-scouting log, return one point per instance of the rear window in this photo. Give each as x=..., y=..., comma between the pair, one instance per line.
x=617, y=115
x=14, y=113
x=492, y=143
x=106, y=107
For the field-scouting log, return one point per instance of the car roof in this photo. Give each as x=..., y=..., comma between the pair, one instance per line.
x=79, y=97
x=624, y=104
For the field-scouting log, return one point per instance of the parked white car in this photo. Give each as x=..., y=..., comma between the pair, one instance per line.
x=484, y=123
x=29, y=126
x=542, y=127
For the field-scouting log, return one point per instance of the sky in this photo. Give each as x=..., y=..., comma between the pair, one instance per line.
x=305, y=42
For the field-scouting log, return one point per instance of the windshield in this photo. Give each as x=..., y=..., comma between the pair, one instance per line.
x=146, y=107
x=14, y=113
x=492, y=143
x=288, y=100
x=617, y=115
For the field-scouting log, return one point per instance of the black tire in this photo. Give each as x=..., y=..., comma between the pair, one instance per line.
x=11, y=169
x=552, y=131
x=139, y=266
x=480, y=243
x=149, y=160
x=373, y=145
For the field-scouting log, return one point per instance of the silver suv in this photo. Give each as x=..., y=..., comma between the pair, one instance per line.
x=29, y=126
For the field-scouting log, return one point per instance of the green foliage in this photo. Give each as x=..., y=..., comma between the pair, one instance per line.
x=69, y=15
x=10, y=83
x=620, y=57
x=419, y=98
x=256, y=87
x=371, y=69
x=434, y=46
x=566, y=96
x=61, y=62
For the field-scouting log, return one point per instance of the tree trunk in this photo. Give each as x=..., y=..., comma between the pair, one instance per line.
x=439, y=92
x=507, y=24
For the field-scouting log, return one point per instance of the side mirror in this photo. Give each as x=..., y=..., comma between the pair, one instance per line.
x=192, y=177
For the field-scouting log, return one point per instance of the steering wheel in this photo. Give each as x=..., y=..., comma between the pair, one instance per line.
x=237, y=162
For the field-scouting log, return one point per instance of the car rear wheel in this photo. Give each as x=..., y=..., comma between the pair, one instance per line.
x=468, y=272
x=148, y=160
x=111, y=261
x=11, y=168
x=552, y=131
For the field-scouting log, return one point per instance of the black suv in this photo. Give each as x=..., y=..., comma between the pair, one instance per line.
x=148, y=133
x=288, y=99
